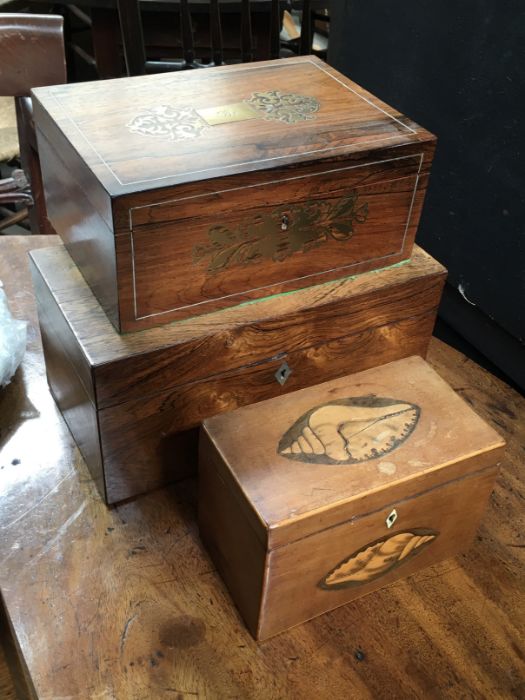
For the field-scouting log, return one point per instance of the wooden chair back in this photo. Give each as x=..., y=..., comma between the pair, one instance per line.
x=31, y=55
x=135, y=50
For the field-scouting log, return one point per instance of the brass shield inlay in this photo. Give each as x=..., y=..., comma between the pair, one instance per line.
x=237, y=112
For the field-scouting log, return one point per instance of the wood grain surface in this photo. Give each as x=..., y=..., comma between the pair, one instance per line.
x=124, y=603
x=129, y=412
x=7, y=689
x=169, y=217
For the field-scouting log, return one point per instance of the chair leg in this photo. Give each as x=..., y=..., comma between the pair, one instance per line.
x=12, y=218
x=38, y=212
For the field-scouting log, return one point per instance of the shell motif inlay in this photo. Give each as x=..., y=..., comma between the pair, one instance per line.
x=351, y=430
x=377, y=558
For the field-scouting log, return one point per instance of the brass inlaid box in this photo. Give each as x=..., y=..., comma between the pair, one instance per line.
x=180, y=194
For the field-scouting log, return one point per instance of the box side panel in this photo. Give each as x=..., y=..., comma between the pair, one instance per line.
x=229, y=538
x=138, y=437
x=58, y=324
x=339, y=564
x=80, y=213
x=68, y=375
x=420, y=190
x=192, y=254
x=137, y=461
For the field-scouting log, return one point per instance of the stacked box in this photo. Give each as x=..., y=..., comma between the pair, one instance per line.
x=177, y=195
x=312, y=500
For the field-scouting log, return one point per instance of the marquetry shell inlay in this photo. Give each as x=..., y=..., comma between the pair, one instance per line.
x=351, y=430
x=377, y=559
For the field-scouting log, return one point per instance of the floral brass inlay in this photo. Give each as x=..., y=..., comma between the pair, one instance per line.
x=284, y=107
x=347, y=431
x=165, y=121
x=179, y=123
x=278, y=234
x=377, y=558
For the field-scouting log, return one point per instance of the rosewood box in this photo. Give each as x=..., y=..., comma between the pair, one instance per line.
x=180, y=194
x=311, y=500
x=133, y=402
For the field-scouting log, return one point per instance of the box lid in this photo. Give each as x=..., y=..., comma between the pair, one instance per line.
x=320, y=456
x=155, y=131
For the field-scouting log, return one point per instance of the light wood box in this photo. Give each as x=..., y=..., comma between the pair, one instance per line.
x=177, y=195
x=133, y=402
x=311, y=500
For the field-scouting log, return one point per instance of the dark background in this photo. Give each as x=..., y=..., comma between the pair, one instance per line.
x=458, y=68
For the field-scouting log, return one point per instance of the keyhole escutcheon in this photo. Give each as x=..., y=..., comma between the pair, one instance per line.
x=391, y=519
x=283, y=373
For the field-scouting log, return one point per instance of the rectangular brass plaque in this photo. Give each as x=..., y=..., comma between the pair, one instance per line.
x=236, y=112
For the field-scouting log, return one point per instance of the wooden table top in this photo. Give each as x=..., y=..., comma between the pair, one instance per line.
x=124, y=603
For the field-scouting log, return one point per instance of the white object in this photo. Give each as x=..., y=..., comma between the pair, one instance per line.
x=391, y=518
x=13, y=338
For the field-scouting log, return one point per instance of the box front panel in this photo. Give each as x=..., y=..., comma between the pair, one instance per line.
x=339, y=564
x=196, y=253
x=219, y=347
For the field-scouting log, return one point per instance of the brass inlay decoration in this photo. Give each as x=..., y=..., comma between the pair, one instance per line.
x=377, y=558
x=278, y=234
x=179, y=123
x=284, y=107
x=172, y=123
x=238, y=112
x=347, y=431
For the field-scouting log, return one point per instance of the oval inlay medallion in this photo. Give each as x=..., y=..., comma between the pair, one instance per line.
x=377, y=559
x=349, y=430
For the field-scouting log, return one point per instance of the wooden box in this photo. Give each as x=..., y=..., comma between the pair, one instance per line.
x=311, y=500
x=130, y=400
x=181, y=194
